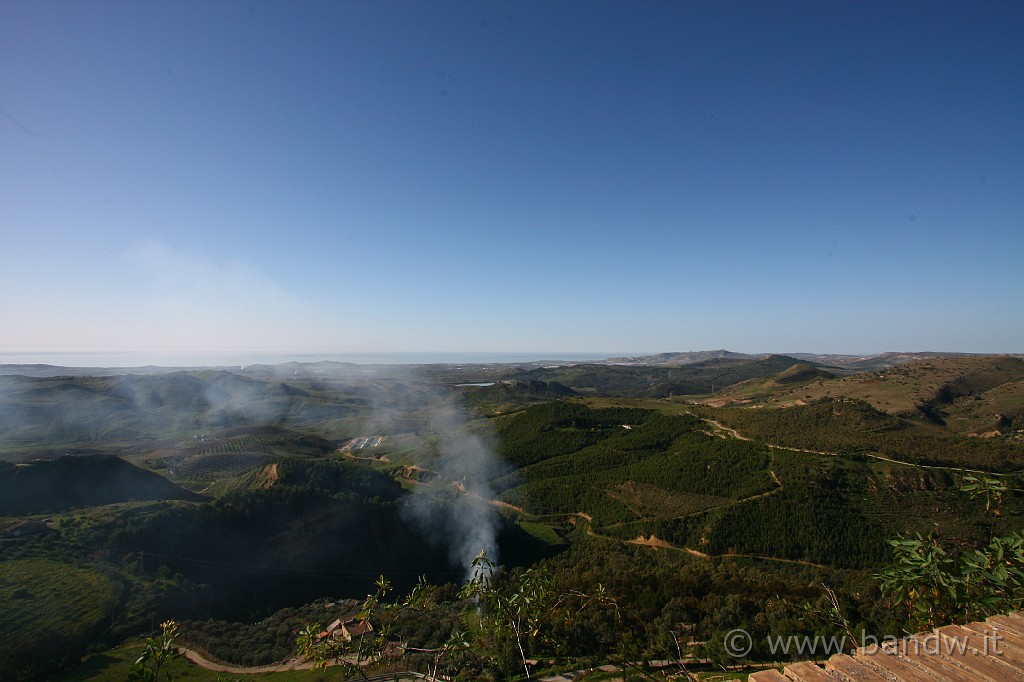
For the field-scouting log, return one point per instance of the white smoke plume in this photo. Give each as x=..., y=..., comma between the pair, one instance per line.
x=465, y=519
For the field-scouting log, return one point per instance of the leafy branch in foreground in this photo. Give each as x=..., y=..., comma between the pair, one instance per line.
x=518, y=608
x=158, y=651
x=942, y=581
x=515, y=610
x=372, y=637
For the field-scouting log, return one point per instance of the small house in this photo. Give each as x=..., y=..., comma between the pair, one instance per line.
x=346, y=631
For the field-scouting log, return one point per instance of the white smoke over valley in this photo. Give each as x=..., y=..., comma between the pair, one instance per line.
x=455, y=508
x=466, y=460
x=427, y=432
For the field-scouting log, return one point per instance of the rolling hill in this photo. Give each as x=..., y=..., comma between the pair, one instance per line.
x=648, y=381
x=931, y=389
x=79, y=411
x=79, y=481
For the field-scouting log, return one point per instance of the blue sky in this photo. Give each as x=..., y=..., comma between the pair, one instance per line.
x=568, y=176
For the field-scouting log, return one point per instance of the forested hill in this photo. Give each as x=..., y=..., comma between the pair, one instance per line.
x=666, y=477
x=80, y=481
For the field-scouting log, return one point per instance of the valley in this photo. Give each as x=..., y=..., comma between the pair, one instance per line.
x=699, y=494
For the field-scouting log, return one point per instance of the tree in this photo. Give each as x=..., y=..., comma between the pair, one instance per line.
x=514, y=609
x=519, y=609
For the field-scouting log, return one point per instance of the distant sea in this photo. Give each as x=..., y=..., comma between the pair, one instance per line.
x=225, y=359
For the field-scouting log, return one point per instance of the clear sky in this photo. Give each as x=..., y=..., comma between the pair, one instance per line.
x=502, y=176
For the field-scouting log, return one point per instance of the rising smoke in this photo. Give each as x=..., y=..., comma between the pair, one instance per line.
x=458, y=512
x=454, y=510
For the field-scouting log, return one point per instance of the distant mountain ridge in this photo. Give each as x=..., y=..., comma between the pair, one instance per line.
x=683, y=358
x=858, y=363
x=347, y=370
x=880, y=360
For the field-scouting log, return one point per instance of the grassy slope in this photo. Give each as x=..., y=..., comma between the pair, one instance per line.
x=904, y=389
x=767, y=387
x=39, y=593
x=833, y=510
x=989, y=411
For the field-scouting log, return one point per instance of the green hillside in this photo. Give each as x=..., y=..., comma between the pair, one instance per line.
x=848, y=426
x=79, y=481
x=51, y=610
x=576, y=459
x=799, y=373
x=673, y=478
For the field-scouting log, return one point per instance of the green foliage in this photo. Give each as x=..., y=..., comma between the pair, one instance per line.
x=234, y=544
x=543, y=533
x=523, y=610
x=814, y=517
x=942, y=580
x=263, y=642
x=513, y=610
x=324, y=649
x=665, y=476
x=510, y=618
x=992, y=489
x=382, y=640
x=337, y=478
x=157, y=653
x=511, y=394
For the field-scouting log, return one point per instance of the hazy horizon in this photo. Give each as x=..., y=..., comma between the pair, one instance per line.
x=127, y=359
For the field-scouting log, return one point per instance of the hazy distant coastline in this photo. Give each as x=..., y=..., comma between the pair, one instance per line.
x=227, y=359
x=173, y=360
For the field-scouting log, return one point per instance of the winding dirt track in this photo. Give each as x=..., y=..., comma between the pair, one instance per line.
x=883, y=458
x=198, y=659
x=296, y=664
